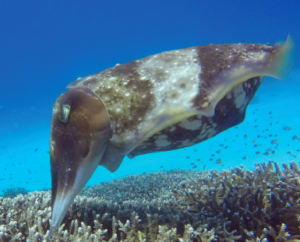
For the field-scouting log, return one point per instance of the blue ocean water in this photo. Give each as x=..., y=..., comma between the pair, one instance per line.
x=44, y=45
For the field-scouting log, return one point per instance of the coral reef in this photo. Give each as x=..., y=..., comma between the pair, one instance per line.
x=180, y=206
x=13, y=192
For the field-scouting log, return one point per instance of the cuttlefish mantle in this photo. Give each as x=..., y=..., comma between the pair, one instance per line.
x=158, y=103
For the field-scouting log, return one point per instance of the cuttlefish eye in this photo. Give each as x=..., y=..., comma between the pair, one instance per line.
x=65, y=113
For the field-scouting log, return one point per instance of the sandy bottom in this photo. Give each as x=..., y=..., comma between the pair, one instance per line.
x=272, y=120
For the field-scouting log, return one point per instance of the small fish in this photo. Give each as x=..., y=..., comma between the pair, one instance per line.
x=194, y=167
x=198, y=159
x=204, y=167
x=287, y=128
x=267, y=153
x=219, y=161
x=295, y=137
x=192, y=163
x=36, y=150
x=258, y=152
x=275, y=141
x=245, y=158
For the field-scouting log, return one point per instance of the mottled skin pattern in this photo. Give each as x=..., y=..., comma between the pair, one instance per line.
x=228, y=56
x=229, y=112
x=152, y=94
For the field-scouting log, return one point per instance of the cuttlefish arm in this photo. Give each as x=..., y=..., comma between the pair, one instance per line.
x=80, y=133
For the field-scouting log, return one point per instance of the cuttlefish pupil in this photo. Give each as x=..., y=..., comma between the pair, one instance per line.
x=65, y=113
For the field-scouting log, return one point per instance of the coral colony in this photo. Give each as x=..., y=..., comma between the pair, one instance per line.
x=178, y=205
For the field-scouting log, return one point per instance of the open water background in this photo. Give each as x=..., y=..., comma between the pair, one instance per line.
x=44, y=45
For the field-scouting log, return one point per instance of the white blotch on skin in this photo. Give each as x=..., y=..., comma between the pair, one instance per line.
x=52, y=143
x=186, y=143
x=240, y=97
x=162, y=140
x=172, y=129
x=191, y=125
x=56, y=108
x=174, y=75
x=229, y=95
x=207, y=131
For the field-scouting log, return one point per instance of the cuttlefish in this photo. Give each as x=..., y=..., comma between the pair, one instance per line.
x=158, y=103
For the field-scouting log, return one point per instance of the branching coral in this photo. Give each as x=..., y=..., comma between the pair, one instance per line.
x=13, y=192
x=179, y=206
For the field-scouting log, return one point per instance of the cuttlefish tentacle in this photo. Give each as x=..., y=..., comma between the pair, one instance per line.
x=149, y=104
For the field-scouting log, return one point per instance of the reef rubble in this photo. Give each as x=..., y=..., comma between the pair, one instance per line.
x=178, y=205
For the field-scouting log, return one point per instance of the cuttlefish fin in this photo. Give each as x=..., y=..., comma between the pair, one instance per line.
x=284, y=62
